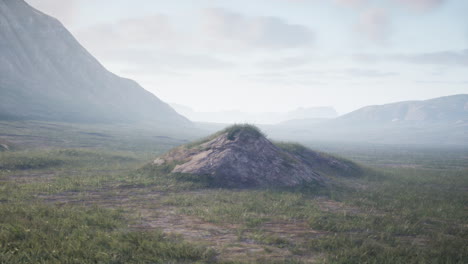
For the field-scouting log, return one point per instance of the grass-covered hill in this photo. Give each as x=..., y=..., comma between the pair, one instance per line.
x=242, y=156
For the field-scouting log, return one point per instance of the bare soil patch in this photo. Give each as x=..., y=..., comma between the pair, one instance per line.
x=145, y=210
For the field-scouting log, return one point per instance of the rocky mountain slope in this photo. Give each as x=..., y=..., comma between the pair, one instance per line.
x=442, y=109
x=241, y=156
x=439, y=121
x=46, y=74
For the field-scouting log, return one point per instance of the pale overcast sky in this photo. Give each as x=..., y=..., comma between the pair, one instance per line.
x=277, y=55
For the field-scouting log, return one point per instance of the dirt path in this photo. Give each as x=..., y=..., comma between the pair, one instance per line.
x=233, y=242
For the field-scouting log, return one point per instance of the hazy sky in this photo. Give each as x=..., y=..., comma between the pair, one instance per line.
x=277, y=55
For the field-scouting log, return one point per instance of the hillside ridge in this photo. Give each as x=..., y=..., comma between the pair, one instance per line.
x=45, y=74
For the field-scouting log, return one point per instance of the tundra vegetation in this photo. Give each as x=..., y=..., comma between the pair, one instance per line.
x=86, y=194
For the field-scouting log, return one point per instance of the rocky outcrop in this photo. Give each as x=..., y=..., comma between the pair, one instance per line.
x=241, y=156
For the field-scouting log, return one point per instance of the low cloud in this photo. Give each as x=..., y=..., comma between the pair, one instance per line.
x=454, y=58
x=351, y=3
x=150, y=42
x=421, y=5
x=156, y=61
x=309, y=77
x=234, y=30
x=374, y=24
x=150, y=59
x=286, y=62
x=214, y=30
x=154, y=42
x=155, y=30
x=357, y=72
x=444, y=58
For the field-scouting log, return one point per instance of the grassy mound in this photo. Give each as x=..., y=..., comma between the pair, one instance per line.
x=231, y=131
x=234, y=130
x=293, y=158
x=330, y=165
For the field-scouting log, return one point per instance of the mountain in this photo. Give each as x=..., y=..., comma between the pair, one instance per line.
x=241, y=156
x=439, y=121
x=256, y=118
x=443, y=109
x=45, y=74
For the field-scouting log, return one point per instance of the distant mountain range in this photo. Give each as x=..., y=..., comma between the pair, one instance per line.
x=439, y=121
x=45, y=74
x=443, y=109
x=256, y=118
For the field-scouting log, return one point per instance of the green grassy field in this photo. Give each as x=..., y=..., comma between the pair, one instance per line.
x=68, y=194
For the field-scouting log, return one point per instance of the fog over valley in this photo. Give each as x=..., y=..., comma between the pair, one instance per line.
x=234, y=132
